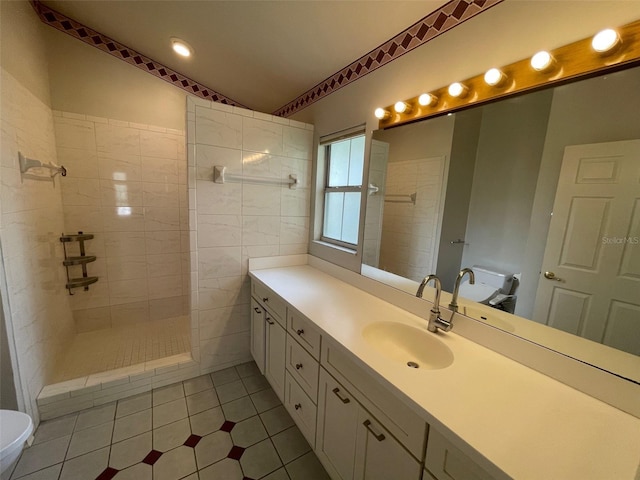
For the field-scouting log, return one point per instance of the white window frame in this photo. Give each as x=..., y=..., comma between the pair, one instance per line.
x=325, y=145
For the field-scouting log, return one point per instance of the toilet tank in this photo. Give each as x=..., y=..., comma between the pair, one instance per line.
x=497, y=278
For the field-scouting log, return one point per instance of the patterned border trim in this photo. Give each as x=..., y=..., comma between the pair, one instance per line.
x=439, y=21
x=77, y=30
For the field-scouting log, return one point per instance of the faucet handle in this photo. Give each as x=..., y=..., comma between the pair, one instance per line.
x=444, y=325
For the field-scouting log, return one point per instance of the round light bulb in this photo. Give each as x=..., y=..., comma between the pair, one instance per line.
x=457, y=89
x=541, y=61
x=181, y=47
x=381, y=113
x=605, y=40
x=494, y=77
x=401, y=107
x=427, y=99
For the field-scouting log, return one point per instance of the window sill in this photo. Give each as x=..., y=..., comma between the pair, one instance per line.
x=337, y=247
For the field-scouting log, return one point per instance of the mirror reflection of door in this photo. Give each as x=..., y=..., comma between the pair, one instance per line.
x=590, y=279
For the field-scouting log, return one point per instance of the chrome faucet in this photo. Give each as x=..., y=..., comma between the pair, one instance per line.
x=453, y=306
x=435, y=322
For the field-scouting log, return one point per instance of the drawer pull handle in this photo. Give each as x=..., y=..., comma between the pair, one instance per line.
x=378, y=436
x=300, y=331
x=265, y=299
x=268, y=319
x=298, y=366
x=342, y=399
x=257, y=310
x=297, y=406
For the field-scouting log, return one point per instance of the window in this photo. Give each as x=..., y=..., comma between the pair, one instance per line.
x=342, y=190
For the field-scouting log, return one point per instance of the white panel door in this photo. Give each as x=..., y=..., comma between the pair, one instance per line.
x=593, y=247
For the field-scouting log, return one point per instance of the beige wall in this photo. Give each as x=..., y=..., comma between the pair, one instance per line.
x=86, y=80
x=35, y=301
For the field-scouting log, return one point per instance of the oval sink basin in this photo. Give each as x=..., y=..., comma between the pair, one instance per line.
x=408, y=345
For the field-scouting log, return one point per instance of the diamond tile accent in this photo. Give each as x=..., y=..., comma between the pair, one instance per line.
x=122, y=52
x=236, y=452
x=227, y=426
x=152, y=457
x=107, y=474
x=192, y=441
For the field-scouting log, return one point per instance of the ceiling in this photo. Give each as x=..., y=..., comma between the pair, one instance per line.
x=261, y=54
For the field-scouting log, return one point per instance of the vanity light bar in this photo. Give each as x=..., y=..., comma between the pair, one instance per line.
x=607, y=50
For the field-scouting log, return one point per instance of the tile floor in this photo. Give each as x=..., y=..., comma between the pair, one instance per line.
x=108, y=349
x=228, y=425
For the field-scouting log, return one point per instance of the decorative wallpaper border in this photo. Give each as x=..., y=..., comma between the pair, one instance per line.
x=439, y=21
x=85, y=34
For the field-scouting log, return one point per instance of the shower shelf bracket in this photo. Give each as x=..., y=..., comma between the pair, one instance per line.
x=83, y=259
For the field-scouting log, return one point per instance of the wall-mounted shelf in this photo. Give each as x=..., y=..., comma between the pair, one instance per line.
x=81, y=260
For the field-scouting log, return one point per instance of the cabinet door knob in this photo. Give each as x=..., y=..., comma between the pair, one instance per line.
x=377, y=436
x=297, y=406
x=265, y=299
x=300, y=331
x=298, y=366
x=342, y=399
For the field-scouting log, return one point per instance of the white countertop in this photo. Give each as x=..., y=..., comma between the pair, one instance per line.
x=525, y=423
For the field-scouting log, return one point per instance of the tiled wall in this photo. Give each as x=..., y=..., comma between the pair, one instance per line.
x=34, y=298
x=233, y=222
x=126, y=184
x=409, y=231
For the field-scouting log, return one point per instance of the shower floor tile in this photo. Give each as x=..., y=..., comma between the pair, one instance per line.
x=104, y=350
x=210, y=444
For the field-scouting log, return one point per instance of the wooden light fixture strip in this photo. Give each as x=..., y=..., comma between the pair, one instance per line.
x=573, y=61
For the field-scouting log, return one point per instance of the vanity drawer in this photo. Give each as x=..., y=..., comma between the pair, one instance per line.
x=302, y=409
x=270, y=301
x=303, y=367
x=404, y=424
x=304, y=332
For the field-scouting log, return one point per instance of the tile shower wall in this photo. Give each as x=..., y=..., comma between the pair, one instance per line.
x=233, y=222
x=35, y=302
x=126, y=184
x=409, y=231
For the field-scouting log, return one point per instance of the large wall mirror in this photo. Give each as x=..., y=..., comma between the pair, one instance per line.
x=544, y=189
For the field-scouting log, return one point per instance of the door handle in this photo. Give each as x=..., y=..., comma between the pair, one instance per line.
x=377, y=436
x=552, y=276
x=342, y=399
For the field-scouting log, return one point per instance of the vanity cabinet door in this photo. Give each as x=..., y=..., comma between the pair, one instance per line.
x=258, y=338
x=337, y=428
x=379, y=456
x=275, y=355
x=446, y=462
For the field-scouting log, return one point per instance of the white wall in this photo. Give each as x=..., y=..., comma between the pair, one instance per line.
x=126, y=183
x=512, y=136
x=36, y=303
x=233, y=222
x=86, y=80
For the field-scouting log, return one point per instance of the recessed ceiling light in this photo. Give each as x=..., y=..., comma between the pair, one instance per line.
x=181, y=47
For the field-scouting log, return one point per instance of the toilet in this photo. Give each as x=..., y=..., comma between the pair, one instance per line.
x=15, y=429
x=492, y=286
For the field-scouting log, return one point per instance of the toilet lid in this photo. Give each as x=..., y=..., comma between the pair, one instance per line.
x=478, y=292
x=14, y=427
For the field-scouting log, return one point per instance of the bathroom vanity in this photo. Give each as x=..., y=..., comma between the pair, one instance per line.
x=379, y=397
